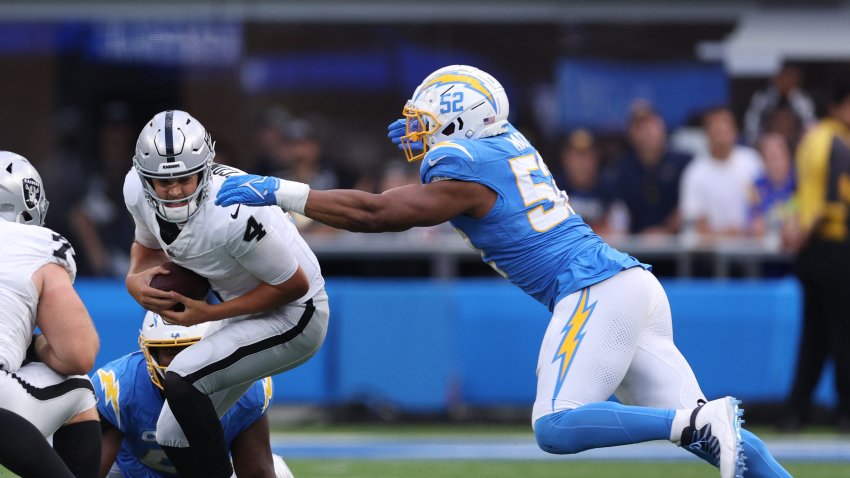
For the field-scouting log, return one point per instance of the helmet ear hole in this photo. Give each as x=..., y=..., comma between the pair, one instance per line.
x=27, y=216
x=449, y=130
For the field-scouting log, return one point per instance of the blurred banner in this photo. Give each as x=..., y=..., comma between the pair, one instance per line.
x=597, y=93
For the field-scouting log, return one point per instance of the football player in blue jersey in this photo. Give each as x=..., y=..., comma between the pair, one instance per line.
x=610, y=331
x=130, y=398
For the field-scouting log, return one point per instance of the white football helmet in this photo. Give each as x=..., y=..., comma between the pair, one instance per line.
x=22, y=197
x=158, y=333
x=454, y=102
x=174, y=145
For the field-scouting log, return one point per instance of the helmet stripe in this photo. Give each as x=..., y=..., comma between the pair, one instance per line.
x=169, y=136
x=468, y=80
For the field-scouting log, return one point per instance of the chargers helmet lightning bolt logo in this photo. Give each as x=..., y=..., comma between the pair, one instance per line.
x=470, y=81
x=573, y=335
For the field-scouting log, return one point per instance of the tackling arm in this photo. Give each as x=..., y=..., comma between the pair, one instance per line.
x=400, y=208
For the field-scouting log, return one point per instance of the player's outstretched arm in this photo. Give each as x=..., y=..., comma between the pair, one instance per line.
x=69, y=342
x=251, y=450
x=395, y=210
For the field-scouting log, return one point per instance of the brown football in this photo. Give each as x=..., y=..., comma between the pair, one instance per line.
x=182, y=281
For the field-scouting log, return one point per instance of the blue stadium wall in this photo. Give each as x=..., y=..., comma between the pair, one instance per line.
x=424, y=345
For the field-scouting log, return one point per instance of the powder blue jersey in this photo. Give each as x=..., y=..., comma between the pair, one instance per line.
x=128, y=400
x=532, y=237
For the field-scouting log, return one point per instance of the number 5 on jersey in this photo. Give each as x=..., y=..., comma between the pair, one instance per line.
x=554, y=208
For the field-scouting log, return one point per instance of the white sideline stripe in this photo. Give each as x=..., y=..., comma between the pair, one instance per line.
x=358, y=447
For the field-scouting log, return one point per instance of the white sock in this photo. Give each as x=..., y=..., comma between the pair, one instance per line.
x=680, y=421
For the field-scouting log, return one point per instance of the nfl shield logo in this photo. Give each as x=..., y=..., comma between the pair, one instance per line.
x=32, y=192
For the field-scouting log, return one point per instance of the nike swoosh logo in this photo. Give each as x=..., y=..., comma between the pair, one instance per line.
x=233, y=216
x=432, y=162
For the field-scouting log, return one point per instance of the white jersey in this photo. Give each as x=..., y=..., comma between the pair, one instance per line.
x=26, y=249
x=235, y=248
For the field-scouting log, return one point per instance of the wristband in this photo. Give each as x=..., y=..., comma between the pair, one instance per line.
x=292, y=196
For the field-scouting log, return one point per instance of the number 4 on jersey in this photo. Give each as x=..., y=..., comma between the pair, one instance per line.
x=254, y=230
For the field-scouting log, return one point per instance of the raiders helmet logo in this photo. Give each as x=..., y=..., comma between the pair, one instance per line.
x=32, y=192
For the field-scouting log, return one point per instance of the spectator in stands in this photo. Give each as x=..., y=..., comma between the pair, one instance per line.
x=101, y=224
x=784, y=92
x=772, y=191
x=306, y=162
x=647, y=180
x=580, y=175
x=272, y=153
x=716, y=184
x=823, y=166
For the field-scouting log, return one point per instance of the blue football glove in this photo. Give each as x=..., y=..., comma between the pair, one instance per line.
x=248, y=189
x=397, y=129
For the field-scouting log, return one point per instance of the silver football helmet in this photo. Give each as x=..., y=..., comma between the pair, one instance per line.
x=156, y=333
x=454, y=102
x=22, y=197
x=174, y=145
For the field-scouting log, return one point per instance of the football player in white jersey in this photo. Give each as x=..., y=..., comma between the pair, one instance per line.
x=43, y=387
x=268, y=281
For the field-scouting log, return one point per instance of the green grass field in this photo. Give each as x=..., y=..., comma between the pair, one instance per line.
x=530, y=469
x=344, y=468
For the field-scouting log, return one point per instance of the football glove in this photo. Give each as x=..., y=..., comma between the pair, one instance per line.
x=396, y=130
x=248, y=189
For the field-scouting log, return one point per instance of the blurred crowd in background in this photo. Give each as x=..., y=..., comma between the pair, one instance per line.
x=708, y=177
x=648, y=132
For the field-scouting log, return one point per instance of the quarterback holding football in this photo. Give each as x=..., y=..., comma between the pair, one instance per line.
x=272, y=305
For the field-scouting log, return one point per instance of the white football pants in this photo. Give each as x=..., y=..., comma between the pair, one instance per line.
x=225, y=364
x=613, y=338
x=43, y=397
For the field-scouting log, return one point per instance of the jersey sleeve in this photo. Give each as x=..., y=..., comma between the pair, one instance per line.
x=107, y=388
x=250, y=408
x=44, y=246
x=134, y=199
x=449, y=160
x=260, y=241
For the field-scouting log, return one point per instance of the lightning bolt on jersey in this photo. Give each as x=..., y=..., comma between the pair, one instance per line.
x=235, y=248
x=532, y=237
x=26, y=249
x=129, y=401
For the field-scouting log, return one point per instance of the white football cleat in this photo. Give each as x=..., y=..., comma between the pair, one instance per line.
x=714, y=435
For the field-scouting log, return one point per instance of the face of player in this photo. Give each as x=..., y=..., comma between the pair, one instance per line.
x=164, y=355
x=171, y=189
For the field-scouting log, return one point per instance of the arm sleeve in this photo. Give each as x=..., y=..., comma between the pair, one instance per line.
x=262, y=244
x=448, y=160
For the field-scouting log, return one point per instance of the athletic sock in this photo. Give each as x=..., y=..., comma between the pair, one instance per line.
x=601, y=424
x=759, y=462
x=200, y=423
x=27, y=453
x=78, y=444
